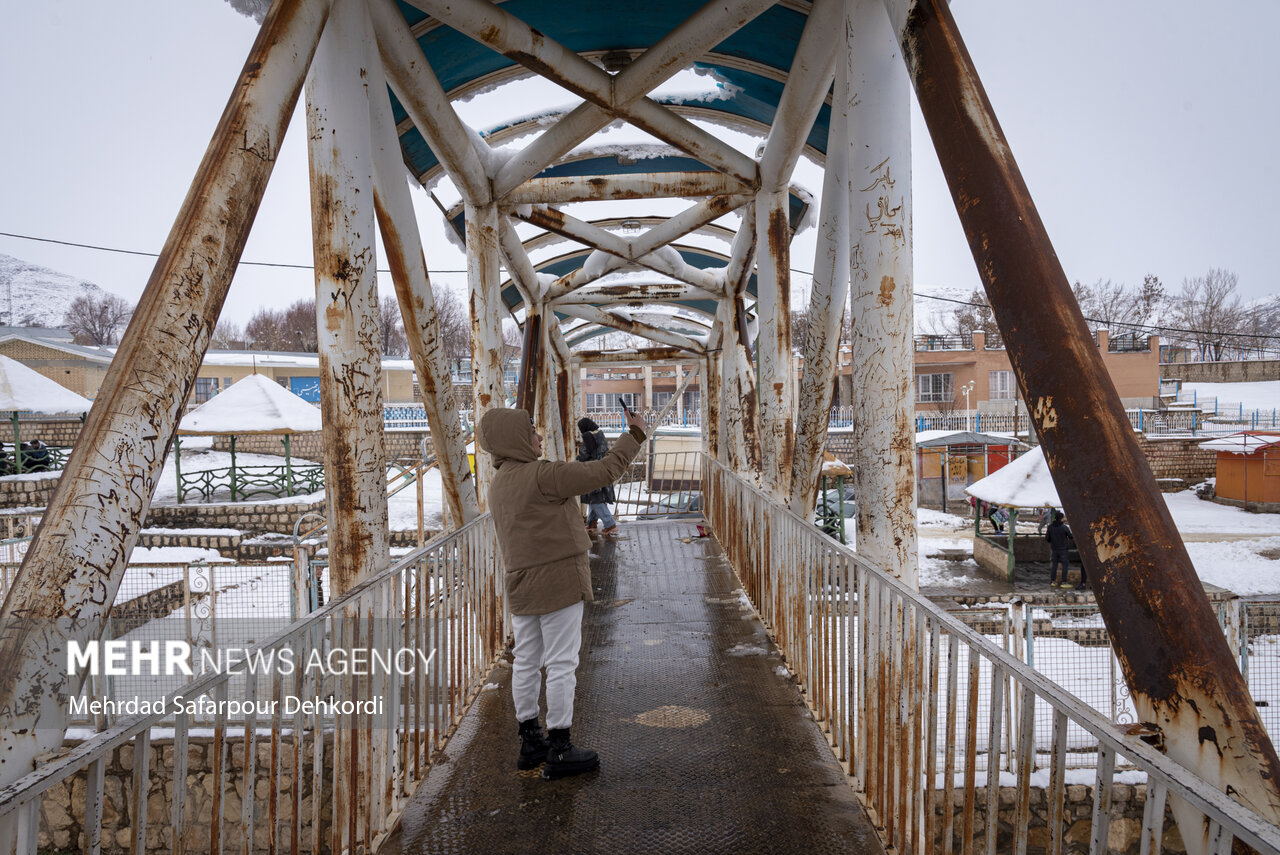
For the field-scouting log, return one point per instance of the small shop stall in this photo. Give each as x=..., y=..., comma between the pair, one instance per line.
x=949, y=461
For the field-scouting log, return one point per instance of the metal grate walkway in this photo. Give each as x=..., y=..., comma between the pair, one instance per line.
x=705, y=743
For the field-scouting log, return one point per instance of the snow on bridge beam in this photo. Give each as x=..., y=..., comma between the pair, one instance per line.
x=565, y=189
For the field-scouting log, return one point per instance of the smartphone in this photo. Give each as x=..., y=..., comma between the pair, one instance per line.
x=622, y=403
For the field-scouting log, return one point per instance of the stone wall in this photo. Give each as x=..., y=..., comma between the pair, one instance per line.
x=1124, y=834
x=62, y=807
x=28, y=491
x=1178, y=458
x=244, y=516
x=59, y=432
x=1221, y=372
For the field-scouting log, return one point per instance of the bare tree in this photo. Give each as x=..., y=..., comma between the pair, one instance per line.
x=1116, y=307
x=391, y=328
x=1209, y=311
x=227, y=336
x=975, y=316
x=291, y=329
x=454, y=323
x=97, y=320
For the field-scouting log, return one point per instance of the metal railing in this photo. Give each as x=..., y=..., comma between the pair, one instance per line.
x=244, y=482
x=898, y=686
x=329, y=777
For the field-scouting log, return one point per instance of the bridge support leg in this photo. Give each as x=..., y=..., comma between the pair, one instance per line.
x=776, y=376
x=1183, y=679
x=403, y=246
x=342, y=217
x=880, y=272
x=486, y=326
x=75, y=563
x=739, y=432
x=827, y=296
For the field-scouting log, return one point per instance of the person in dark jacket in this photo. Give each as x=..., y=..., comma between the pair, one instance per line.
x=594, y=447
x=1060, y=542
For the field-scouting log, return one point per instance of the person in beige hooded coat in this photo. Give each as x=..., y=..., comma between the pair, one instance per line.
x=548, y=576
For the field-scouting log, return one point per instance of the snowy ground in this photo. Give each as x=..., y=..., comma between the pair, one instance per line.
x=1263, y=395
x=1230, y=547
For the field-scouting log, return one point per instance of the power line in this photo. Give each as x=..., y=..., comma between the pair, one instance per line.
x=1127, y=325
x=157, y=255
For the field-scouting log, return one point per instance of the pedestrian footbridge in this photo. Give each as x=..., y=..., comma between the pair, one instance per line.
x=759, y=689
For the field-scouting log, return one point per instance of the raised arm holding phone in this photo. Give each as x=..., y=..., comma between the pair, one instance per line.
x=544, y=548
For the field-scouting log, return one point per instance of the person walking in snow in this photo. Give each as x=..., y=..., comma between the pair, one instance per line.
x=544, y=547
x=594, y=447
x=1060, y=542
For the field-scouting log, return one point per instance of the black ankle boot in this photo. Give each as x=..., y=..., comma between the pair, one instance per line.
x=563, y=759
x=533, y=745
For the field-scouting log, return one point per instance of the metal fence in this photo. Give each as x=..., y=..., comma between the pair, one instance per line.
x=442, y=598
x=928, y=712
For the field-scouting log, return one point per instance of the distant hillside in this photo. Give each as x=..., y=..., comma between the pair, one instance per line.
x=34, y=296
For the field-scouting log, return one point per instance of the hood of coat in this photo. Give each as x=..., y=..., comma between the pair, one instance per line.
x=507, y=435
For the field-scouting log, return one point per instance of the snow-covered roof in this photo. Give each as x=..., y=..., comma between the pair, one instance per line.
x=254, y=405
x=22, y=388
x=1024, y=483
x=935, y=438
x=1242, y=443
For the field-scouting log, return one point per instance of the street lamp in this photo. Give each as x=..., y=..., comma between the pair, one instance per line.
x=966, y=389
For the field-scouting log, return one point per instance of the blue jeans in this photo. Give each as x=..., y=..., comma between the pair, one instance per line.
x=600, y=511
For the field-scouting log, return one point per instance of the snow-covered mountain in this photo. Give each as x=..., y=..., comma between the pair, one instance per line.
x=934, y=316
x=32, y=296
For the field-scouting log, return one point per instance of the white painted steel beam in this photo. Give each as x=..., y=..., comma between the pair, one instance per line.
x=403, y=245
x=879, y=117
x=811, y=73
x=579, y=278
x=604, y=240
x=77, y=558
x=500, y=30
x=611, y=188
x=697, y=34
x=518, y=263
x=424, y=99
x=776, y=374
x=486, y=326
x=633, y=294
x=605, y=318
x=342, y=219
x=827, y=298
x=689, y=220
x=742, y=254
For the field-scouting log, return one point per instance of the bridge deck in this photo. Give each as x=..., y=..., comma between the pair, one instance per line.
x=705, y=745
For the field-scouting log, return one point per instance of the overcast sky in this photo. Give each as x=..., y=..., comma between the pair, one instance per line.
x=1147, y=134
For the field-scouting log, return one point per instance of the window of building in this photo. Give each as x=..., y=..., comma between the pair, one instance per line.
x=226, y=382
x=206, y=388
x=933, y=388
x=605, y=401
x=660, y=399
x=1001, y=386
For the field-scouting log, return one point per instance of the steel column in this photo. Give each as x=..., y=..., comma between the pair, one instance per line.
x=739, y=417
x=827, y=296
x=1175, y=658
x=486, y=326
x=403, y=245
x=567, y=385
x=879, y=193
x=76, y=561
x=776, y=377
x=342, y=224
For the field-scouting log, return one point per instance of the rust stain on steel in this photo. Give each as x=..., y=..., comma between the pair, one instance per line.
x=1174, y=655
x=530, y=363
x=886, y=291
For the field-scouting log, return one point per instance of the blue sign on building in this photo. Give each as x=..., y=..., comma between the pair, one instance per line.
x=306, y=388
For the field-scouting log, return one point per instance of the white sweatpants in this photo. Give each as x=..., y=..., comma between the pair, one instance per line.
x=552, y=640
